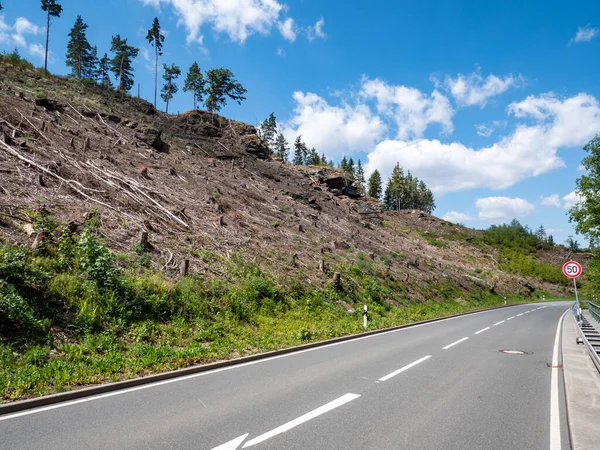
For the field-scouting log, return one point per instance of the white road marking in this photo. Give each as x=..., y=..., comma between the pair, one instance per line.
x=455, y=343
x=555, y=441
x=481, y=331
x=300, y=420
x=213, y=371
x=408, y=366
x=233, y=444
x=519, y=315
x=498, y=323
x=526, y=312
x=511, y=318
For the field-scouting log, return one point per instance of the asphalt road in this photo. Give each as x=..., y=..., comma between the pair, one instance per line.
x=444, y=385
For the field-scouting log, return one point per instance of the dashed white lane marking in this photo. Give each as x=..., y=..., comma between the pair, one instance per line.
x=511, y=318
x=300, y=420
x=519, y=315
x=481, y=331
x=233, y=444
x=526, y=312
x=408, y=366
x=455, y=343
x=498, y=323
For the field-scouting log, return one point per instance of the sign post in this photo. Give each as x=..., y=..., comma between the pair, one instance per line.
x=573, y=269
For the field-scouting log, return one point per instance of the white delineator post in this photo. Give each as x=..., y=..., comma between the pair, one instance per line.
x=365, y=317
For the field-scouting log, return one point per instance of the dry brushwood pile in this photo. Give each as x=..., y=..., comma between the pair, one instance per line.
x=195, y=184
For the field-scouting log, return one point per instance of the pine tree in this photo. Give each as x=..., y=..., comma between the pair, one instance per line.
x=79, y=51
x=350, y=168
x=394, y=188
x=170, y=87
x=194, y=83
x=121, y=64
x=313, y=158
x=375, y=188
x=222, y=85
x=53, y=9
x=359, y=176
x=299, y=152
x=156, y=39
x=268, y=131
x=93, y=64
x=344, y=164
x=550, y=241
x=103, y=72
x=282, y=150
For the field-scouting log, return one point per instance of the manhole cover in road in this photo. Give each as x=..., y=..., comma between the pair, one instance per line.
x=515, y=352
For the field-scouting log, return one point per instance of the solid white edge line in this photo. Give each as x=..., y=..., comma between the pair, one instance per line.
x=300, y=420
x=455, y=343
x=481, y=331
x=498, y=323
x=408, y=366
x=555, y=440
x=222, y=369
x=233, y=444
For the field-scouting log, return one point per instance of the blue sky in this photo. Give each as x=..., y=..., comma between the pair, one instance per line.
x=488, y=102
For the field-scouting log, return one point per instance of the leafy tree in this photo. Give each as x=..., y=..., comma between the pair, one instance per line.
x=359, y=176
x=374, y=189
x=221, y=86
x=103, y=72
x=53, y=9
x=573, y=244
x=170, y=87
x=268, y=130
x=121, y=65
x=194, y=83
x=281, y=147
x=300, y=151
x=586, y=214
x=156, y=39
x=79, y=51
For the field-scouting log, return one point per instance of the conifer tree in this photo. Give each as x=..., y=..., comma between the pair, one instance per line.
x=300, y=151
x=103, y=72
x=282, y=150
x=121, y=64
x=268, y=131
x=53, y=9
x=374, y=189
x=156, y=39
x=194, y=83
x=79, y=51
x=170, y=87
x=313, y=158
x=359, y=176
x=221, y=86
x=394, y=188
x=344, y=164
x=350, y=167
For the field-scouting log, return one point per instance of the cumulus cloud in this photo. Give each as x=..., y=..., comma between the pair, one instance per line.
x=287, y=29
x=335, y=130
x=585, y=34
x=503, y=208
x=238, y=19
x=566, y=202
x=316, y=31
x=17, y=35
x=456, y=217
x=475, y=90
x=529, y=151
x=412, y=110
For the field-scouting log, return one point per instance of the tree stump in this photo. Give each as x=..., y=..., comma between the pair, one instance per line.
x=184, y=268
x=337, y=282
x=86, y=144
x=221, y=221
x=144, y=240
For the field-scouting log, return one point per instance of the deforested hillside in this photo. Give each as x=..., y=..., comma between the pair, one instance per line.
x=136, y=241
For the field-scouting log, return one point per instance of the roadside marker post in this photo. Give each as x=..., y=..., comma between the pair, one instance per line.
x=573, y=269
x=365, y=317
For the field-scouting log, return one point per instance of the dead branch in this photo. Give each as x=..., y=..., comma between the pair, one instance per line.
x=111, y=128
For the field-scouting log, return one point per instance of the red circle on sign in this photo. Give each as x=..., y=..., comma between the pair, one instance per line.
x=572, y=269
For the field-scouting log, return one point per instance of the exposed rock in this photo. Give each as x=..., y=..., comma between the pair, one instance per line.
x=152, y=137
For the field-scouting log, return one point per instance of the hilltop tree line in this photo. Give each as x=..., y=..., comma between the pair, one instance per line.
x=212, y=89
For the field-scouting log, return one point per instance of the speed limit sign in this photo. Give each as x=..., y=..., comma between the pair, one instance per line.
x=572, y=269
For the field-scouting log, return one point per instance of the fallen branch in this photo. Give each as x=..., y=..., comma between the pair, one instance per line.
x=111, y=128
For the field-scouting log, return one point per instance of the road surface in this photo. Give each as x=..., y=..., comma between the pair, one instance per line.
x=443, y=385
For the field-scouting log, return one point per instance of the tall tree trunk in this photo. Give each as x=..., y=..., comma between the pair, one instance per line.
x=79, y=66
x=155, y=74
x=47, y=40
x=195, y=102
x=121, y=87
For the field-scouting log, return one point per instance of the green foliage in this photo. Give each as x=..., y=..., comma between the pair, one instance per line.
x=221, y=86
x=516, y=237
x=156, y=39
x=514, y=261
x=195, y=83
x=121, y=64
x=15, y=59
x=300, y=152
x=282, y=150
x=586, y=213
x=407, y=192
x=170, y=87
x=80, y=57
x=374, y=190
x=268, y=130
x=53, y=9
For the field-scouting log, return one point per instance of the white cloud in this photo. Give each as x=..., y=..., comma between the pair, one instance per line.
x=316, y=31
x=145, y=53
x=17, y=35
x=475, y=90
x=238, y=19
x=412, y=110
x=529, y=151
x=456, y=217
x=585, y=34
x=335, y=130
x=484, y=130
x=566, y=202
x=287, y=29
x=581, y=168
x=281, y=52
x=503, y=208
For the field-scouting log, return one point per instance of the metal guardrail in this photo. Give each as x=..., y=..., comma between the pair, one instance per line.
x=594, y=310
x=589, y=334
